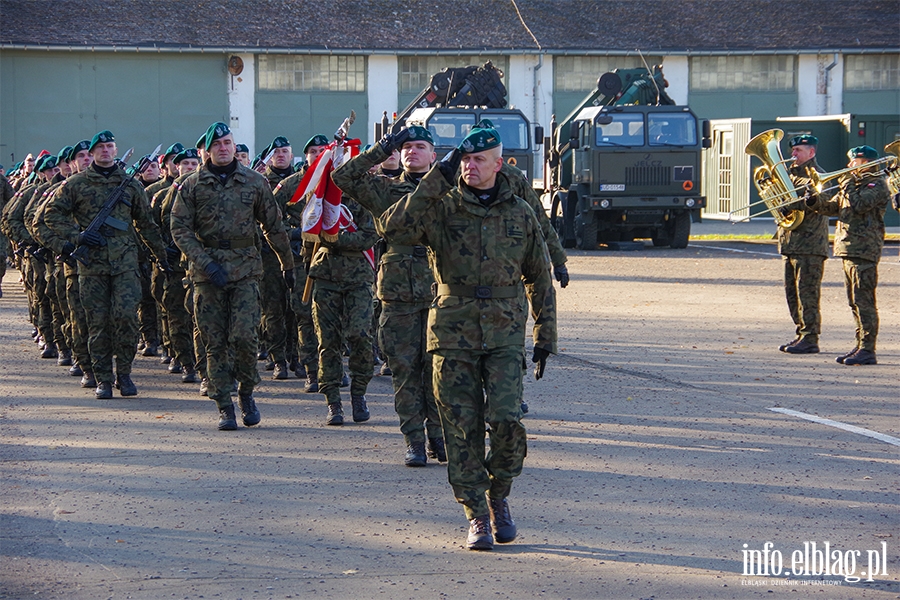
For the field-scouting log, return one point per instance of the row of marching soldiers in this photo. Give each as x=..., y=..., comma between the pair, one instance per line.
x=225, y=251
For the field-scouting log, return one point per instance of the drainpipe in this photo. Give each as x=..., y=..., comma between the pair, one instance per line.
x=834, y=62
x=538, y=155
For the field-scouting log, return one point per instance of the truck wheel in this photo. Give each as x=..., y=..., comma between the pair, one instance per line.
x=586, y=231
x=681, y=231
x=661, y=237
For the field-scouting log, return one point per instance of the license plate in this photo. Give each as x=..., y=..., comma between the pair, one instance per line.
x=612, y=187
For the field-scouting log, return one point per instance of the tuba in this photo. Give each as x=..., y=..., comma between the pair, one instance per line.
x=773, y=180
x=893, y=170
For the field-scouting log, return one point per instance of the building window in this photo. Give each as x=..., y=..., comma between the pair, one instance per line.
x=580, y=73
x=743, y=73
x=416, y=71
x=305, y=73
x=872, y=71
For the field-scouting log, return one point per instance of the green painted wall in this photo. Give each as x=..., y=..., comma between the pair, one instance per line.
x=872, y=102
x=733, y=105
x=54, y=99
x=300, y=115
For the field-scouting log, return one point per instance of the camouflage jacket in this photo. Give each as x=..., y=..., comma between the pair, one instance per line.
x=14, y=215
x=79, y=199
x=859, y=207
x=157, y=186
x=811, y=236
x=341, y=264
x=479, y=250
x=216, y=222
x=402, y=275
x=6, y=194
x=522, y=188
x=41, y=195
x=274, y=177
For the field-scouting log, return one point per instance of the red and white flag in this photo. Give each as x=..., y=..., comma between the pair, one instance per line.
x=324, y=215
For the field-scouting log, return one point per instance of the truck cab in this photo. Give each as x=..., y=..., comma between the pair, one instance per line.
x=449, y=125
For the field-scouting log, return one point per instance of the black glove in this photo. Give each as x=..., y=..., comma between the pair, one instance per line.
x=39, y=253
x=65, y=254
x=288, y=278
x=394, y=141
x=297, y=234
x=895, y=201
x=562, y=275
x=540, y=360
x=449, y=165
x=91, y=239
x=173, y=254
x=216, y=274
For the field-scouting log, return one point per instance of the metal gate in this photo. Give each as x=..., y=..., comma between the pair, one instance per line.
x=726, y=170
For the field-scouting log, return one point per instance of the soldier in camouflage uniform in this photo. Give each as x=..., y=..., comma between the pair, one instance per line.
x=302, y=345
x=858, y=239
x=110, y=288
x=403, y=288
x=6, y=194
x=273, y=292
x=804, y=250
x=214, y=219
x=487, y=243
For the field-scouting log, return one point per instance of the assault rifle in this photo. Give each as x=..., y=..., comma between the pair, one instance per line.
x=104, y=217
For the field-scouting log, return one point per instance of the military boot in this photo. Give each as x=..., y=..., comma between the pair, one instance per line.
x=189, y=374
x=345, y=380
x=270, y=365
x=360, y=410
x=262, y=355
x=88, y=381
x=65, y=358
x=249, y=412
x=298, y=369
x=784, y=347
x=861, y=357
x=280, y=370
x=804, y=346
x=436, y=449
x=75, y=371
x=125, y=385
x=103, y=391
x=480, y=537
x=227, y=420
x=166, y=358
x=844, y=357
x=335, y=414
x=150, y=349
x=49, y=351
x=415, y=455
x=204, y=386
x=175, y=366
x=501, y=521
x=312, y=382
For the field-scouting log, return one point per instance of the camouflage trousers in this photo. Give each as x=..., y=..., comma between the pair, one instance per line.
x=341, y=315
x=273, y=292
x=157, y=289
x=802, y=287
x=402, y=335
x=56, y=281
x=147, y=314
x=36, y=282
x=227, y=318
x=110, y=304
x=307, y=344
x=472, y=387
x=199, y=346
x=860, y=281
x=178, y=320
x=78, y=321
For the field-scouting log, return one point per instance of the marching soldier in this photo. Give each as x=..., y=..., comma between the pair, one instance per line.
x=487, y=243
x=804, y=250
x=110, y=288
x=214, y=218
x=858, y=239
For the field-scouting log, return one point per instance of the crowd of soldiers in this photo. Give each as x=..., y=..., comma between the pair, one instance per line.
x=200, y=255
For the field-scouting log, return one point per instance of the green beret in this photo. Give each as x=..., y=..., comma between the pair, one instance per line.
x=172, y=150
x=48, y=162
x=479, y=140
x=418, y=133
x=64, y=154
x=265, y=152
x=82, y=145
x=316, y=140
x=102, y=138
x=201, y=141
x=485, y=124
x=867, y=152
x=803, y=140
x=279, y=142
x=241, y=148
x=216, y=130
x=186, y=153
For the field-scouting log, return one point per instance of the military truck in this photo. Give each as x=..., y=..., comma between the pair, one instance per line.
x=455, y=100
x=625, y=164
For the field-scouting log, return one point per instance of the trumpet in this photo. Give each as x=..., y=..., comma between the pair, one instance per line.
x=773, y=181
x=893, y=170
x=891, y=161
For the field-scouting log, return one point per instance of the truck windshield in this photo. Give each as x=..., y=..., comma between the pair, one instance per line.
x=513, y=130
x=672, y=129
x=449, y=130
x=624, y=130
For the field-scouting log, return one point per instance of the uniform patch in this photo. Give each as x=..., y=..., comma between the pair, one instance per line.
x=247, y=198
x=514, y=230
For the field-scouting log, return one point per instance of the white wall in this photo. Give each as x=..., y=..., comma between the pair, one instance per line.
x=242, y=102
x=810, y=86
x=382, y=85
x=677, y=72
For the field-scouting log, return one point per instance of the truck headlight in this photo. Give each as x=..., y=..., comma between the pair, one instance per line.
x=689, y=202
x=604, y=203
